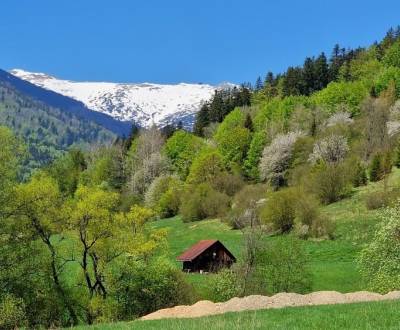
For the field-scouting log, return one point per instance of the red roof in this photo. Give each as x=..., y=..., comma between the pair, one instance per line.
x=196, y=250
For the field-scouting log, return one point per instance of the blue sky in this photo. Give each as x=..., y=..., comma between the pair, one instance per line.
x=207, y=41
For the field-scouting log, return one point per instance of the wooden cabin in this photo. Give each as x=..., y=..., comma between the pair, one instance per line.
x=206, y=256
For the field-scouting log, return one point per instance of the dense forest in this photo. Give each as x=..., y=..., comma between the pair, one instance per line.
x=76, y=245
x=47, y=131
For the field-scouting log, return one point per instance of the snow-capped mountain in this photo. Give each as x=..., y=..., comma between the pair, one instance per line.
x=143, y=104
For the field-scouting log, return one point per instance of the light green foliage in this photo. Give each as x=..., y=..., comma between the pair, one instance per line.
x=225, y=285
x=12, y=313
x=364, y=67
x=278, y=109
x=206, y=166
x=350, y=94
x=181, y=148
x=284, y=264
x=250, y=165
x=202, y=201
x=232, y=137
x=392, y=56
x=380, y=260
x=163, y=195
x=389, y=76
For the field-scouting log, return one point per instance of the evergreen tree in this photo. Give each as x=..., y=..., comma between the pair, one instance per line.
x=308, y=76
x=259, y=85
x=321, y=72
x=202, y=120
x=375, y=170
x=249, y=123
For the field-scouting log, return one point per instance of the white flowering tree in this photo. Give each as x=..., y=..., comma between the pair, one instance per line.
x=331, y=149
x=276, y=157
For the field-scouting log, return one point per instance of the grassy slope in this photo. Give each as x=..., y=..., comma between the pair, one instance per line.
x=332, y=263
x=377, y=315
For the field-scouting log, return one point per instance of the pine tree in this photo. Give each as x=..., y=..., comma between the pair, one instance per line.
x=375, y=170
x=259, y=85
x=249, y=123
x=360, y=176
x=202, y=120
x=321, y=72
x=308, y=76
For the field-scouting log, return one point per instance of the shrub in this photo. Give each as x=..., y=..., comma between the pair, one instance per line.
x=381, y=165
x=379, y=199
x=329, y=182
x=145, y=287
x=244, y=211
x=380, y=260
x=202, y=201
x=279, y=210
x=284, y=265
x=12, y=313
x=228, y=183
x=226, y=285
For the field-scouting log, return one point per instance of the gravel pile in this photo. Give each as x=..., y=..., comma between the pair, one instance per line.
x=280, y=300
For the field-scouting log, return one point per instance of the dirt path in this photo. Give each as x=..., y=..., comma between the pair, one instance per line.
x=204, y=307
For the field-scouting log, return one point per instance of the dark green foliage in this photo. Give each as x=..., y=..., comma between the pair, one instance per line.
x=360, y=175
x=381, y=165
x=223, y=102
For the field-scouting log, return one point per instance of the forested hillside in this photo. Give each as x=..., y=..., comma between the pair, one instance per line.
x=297, y=173
x=47, y=131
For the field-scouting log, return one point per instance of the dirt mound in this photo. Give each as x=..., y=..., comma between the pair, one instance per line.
x=280, y=300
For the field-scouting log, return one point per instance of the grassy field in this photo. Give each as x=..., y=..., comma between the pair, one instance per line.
x=332, y=262
x=377, y=315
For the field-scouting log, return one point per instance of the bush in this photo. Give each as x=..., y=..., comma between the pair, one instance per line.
x=380, y=260
x=228, y=183
x=145, y=287
x=245, y=204
x=379, y=199
x=329, y=183
x=12, y=313
x=279, y=210
x=202, y=201
x=284, y=265
x=226, y=285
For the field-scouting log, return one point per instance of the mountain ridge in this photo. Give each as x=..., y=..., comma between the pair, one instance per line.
x=144, y=104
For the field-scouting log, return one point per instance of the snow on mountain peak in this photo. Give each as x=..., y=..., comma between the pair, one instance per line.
x=145, y=103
